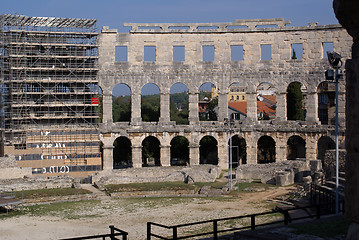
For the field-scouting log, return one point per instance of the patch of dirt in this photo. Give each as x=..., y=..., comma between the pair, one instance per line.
x=132, y=215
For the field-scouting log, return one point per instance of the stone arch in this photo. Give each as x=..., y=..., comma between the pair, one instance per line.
x=326, y=102
x=237, y=101
x=208, y=149
x=121, y=107
x=151, y=152
x=122, y=154
x=150, y=102
x=239, y=151
x=266, y=150
x=266, y=101
x=296, y=96
x=179, y=103
x=296, y=148
x=208, y=102
x=179, y=151
x=324, y=143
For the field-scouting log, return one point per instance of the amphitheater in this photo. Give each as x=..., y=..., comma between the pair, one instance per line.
x=48, y=84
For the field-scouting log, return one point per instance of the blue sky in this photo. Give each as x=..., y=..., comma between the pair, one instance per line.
x=114, y=13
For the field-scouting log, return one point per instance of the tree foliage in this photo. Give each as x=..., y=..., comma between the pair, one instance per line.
x=121, y=109
x=295, y=102
x=179, y=107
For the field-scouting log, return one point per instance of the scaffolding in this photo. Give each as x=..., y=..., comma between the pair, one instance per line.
x=49, y=93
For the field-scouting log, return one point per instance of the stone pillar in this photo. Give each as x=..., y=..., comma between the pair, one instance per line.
x=311, y=145
x=251, y=149
x=280, y=149
x=281, y=110
x=193, y=154
x=222, y=106
x=252, y=106
x=193, y=108
x=341, y=104
x=347, y=14
x=137, y=156
x=107, y=157
x=164, y=107
x=223, y=155
x=312, y=108
x=352, y=142
x=165, y=156
x=107, y=108
x=136, y=108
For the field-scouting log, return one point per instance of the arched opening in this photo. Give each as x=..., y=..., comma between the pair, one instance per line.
x=295, y=101
x=122, y=153
x=239, y=151
x=179, y=103
x=326, y=103
x=208, y=102
x=266, y=102
x=150, y=103
x=121, y=103
x=266, y=150
x=237, y=101
x=151, y=152
x=208, y=150
x=296, y=148
x=325, y=143
x=179, y=151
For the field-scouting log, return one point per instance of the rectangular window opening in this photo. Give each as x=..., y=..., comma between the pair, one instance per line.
x=327, y=47
x=296, y=51
x=208, y=53
x=237, y=27
x=150, y=53
x=121, y=53
x=266, y=52
x=178, y=53
x=237, y=53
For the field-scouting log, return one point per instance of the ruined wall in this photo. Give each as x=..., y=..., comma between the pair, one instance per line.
x=280, y=70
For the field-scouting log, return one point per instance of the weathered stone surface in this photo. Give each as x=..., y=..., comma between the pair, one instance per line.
x=202, y=173
x=284, y=178
x=36, y=183
x=267, y=173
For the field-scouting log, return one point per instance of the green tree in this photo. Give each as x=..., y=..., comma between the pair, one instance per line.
x=295, y=102
x=121, y=109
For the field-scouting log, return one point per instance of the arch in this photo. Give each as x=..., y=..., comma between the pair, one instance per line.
x=266, y=150
x=151, y=152
x=179, y=104
x=237, y=101
x=295, y=101
x=121, y=106
x=150, y=103
x=208, y=150
x=266, y=101
x=326, y=102
x=122, y=153
x=239, y=151
x=296, y=148
x=179, y=151
x=324, y=143
x=208, y=102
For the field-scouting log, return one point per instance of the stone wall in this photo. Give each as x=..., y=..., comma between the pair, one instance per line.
x=31, y=183
x=203, y=173
x=10, y=170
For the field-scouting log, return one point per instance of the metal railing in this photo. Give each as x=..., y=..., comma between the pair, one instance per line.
x=319, y=210
x=114, y=233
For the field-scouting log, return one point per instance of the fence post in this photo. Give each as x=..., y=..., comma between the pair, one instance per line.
x=215, y=230
x=318, y=211
x=253, y=222
x=175, y=233
x=148, y=230
x=286, y=217
x=112, y=232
